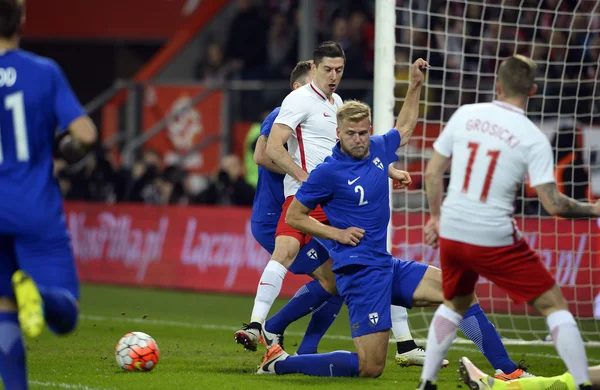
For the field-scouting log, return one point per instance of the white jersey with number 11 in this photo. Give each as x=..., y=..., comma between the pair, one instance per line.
x=492, y=146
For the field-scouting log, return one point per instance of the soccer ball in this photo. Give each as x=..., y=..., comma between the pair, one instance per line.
x=137, y=351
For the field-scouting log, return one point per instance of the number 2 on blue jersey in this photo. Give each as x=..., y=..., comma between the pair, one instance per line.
x=362, y=200
x=14, y=103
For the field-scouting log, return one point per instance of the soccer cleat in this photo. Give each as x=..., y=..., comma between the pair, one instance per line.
x=273, y=355
x=249, y=336
x=520, y=372
x=270, y=339
x=29, y=303
x=414, y=357
x=473, y=376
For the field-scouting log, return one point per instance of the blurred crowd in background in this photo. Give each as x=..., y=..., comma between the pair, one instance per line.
x=462, y=42
x=150, y=182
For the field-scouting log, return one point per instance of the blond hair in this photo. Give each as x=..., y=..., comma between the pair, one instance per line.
x=353, y=111
x=517, y=75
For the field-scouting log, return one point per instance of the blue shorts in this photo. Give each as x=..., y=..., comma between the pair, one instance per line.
x=264, y=234
x=369, y=292
x=310, y=257
x=46, y=256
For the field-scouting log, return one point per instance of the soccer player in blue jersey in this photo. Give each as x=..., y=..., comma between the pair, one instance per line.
x=311, y=297
x=353, y=188
x=38, y=279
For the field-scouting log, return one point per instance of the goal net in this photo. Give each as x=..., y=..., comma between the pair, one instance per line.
x=464, y=43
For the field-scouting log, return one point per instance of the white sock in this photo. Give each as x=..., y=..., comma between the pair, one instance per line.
x=400, y=327
x=442, y=332
x=568, y=343
x=267, y=291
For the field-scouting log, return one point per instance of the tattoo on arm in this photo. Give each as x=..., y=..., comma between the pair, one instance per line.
x=564, y=206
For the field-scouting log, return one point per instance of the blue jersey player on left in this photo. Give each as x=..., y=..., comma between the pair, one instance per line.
x=38, y=278
x=352, y=186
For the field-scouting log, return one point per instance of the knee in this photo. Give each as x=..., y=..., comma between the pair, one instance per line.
x=326, y=277
x=371, y=365
x=284, y=258
x=285, y=253
x=64, y=321
x=550, y=301
x=371, y=370
x=328, y=285
x=65, y=326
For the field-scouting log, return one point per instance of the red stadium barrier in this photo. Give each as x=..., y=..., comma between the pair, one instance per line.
x=212, y=249
x=196, y=248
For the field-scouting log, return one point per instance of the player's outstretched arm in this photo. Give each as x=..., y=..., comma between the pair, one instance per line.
x=298, y=217
x=280, y=134
x=78, y=139
x=407, y=118
x=434, y=187
x=261, y=158
x=560, y=205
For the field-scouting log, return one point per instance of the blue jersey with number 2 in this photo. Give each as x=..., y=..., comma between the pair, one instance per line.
x=356, y=193
x=35, y=100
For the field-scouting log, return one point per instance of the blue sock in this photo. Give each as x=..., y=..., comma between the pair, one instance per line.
x=338, y=363
x=307, y=298
x=13, y=368
x=482, y=332
x=321, y=320
x=60, y=309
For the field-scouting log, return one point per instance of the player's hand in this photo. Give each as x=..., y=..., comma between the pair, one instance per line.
x=416, y=72
x=350, y=236
x=401, y=178
x=432, y=232
x=69, y=148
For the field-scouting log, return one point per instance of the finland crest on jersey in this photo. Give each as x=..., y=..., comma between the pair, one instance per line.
x=378, y=163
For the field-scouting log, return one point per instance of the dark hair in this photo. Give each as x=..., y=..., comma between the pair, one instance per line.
x=10, y=17
x=517, y=75
x=329, y=49
x=301, y=69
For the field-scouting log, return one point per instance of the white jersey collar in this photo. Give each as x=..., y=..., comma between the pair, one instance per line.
x=318, y=91
x=509, y=106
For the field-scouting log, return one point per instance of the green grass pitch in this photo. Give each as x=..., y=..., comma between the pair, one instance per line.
x=195, y=335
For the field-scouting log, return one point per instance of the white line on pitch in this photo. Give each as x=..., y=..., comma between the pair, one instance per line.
x=63, y=385
x=298, y=334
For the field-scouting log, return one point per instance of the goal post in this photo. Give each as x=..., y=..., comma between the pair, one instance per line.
x=464, y=42
x=384, y=80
